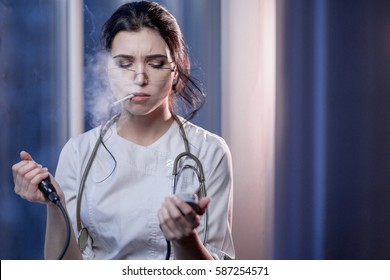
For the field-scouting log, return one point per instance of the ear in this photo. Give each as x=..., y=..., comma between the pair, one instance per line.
x=175, y=78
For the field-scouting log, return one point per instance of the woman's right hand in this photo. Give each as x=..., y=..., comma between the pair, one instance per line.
x=27, y=175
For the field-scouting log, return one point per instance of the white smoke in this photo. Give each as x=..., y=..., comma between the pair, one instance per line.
x=98, y=96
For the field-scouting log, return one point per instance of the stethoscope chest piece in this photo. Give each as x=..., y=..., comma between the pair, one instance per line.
x=83, y=239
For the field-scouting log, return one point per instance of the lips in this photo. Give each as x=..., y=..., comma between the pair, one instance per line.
x=140, y=97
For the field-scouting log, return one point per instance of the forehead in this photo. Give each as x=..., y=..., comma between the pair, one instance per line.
x=139, y=43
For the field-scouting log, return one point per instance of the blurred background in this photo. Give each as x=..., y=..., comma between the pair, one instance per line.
x=299, y=89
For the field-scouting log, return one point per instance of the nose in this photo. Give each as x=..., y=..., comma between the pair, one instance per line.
x=141, y=79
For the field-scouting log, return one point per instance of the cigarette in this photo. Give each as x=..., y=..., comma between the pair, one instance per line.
x=123, y=99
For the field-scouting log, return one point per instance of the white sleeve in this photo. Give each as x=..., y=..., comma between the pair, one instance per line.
x=219, y=186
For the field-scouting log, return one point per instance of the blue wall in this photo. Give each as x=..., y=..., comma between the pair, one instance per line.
x=33, y=95
x=30, y=106
x=333, y=130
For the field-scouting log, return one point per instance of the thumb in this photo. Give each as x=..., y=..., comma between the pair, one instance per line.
x=203, y=203
x=25, y=156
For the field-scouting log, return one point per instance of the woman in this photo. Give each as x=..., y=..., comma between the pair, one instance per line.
x=127, y=208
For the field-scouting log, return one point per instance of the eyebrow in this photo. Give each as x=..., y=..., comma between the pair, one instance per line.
x=151, y=56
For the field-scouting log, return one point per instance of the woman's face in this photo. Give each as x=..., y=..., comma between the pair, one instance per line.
x=140, y=63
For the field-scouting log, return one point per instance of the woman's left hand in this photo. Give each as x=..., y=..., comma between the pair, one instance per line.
x=178, y=219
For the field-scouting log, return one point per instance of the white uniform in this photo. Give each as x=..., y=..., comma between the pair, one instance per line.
x=122, y=196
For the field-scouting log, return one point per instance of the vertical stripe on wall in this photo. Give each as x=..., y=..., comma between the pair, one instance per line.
x=319, y=127
x=248, y=47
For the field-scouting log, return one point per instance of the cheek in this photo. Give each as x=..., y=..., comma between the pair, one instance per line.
x=167, y=87
x=119, y=88
x=162, y=89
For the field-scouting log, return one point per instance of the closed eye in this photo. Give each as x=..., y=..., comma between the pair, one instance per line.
x=157, y=65
x=123, y=61
x=124, y=64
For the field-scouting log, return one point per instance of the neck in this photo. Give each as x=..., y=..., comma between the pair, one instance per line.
x=144, y=130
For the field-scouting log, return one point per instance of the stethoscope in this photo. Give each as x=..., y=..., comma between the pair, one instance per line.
x=190, y=198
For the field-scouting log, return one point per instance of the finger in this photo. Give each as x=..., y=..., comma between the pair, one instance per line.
x=175, y=219
x=168, y=233
x=191, y=219
x=25, y=156
x=186, y=210
x=168, y=227
x=33, y=193
x=25, y=162
x=203, y=204
x=16, y=167
x=35, y=175
x=19, y=171
x=28, y=167
x=29, y=182
x=183, y=206
x=182, y=212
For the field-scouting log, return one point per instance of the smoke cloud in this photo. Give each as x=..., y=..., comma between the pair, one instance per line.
x=98, y=95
